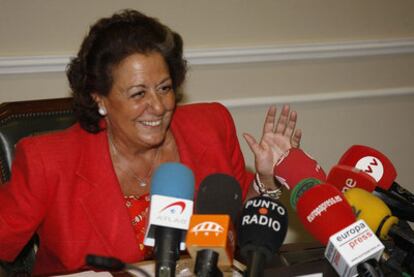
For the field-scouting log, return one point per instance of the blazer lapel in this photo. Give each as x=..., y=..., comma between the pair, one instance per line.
x=191, y=150
x=104, y=204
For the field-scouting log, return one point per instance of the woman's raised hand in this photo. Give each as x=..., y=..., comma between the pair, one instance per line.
x=277, y=138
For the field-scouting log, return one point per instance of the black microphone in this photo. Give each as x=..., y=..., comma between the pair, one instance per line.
x=397, y=202
x=210, y=239
x=262, y=230
x=219, y=194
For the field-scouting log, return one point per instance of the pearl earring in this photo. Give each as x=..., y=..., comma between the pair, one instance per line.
x=102, y=111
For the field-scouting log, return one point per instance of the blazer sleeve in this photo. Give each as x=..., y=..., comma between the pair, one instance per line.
x=22, y=200
x=244, y=176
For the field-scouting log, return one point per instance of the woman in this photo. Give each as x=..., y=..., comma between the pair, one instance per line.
x=85, y=190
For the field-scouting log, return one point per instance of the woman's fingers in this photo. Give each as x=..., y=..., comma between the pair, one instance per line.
x=281, y=136
x=295, y=141
x=283, y=120
x=252, y=143
x=269, y=120
x=291, y=124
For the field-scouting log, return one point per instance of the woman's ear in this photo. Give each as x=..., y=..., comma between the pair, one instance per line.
x=101, y=104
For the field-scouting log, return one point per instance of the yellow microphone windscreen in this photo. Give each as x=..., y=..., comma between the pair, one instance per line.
x=372, y=210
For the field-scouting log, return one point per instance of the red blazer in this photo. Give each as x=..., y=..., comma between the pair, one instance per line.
x=64, y=187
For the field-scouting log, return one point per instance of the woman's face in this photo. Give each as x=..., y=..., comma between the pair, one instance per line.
x=141, y=102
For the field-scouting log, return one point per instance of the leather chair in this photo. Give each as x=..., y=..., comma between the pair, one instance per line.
x=18, y=120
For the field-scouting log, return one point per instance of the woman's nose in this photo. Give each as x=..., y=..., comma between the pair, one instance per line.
x=155, y=103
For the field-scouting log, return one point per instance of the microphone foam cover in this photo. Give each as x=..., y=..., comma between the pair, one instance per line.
x=300, y=188
x=263, y=226
x=372, y=162
x=219, y=194
x=324, y=211
x=345, y=177
x=295, y=166
x=372, y=210
x=173, y=180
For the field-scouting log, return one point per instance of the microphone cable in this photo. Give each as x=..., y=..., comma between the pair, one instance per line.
x=112, y=264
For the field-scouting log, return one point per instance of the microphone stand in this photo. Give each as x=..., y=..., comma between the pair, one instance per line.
x=255, y=266
x=167, y=243
x=370, y=268
x=206, y=264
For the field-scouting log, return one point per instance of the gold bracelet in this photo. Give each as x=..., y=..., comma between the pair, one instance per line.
x=261, y=189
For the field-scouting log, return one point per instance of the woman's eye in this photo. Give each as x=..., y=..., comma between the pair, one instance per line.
x=166, y=88
x=137, y=94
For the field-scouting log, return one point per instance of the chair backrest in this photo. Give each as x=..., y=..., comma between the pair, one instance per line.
x=28, y=118
x=21, y=119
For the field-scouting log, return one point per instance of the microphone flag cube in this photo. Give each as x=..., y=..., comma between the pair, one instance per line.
x=214, y=232
x=351, y=246
x=168, y=212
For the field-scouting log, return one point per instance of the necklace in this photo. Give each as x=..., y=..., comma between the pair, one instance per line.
x=142, y=182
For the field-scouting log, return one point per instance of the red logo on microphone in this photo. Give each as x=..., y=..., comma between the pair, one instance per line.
x=263, y=211
x=175, y=207
x=373, y=163
x=372, y=166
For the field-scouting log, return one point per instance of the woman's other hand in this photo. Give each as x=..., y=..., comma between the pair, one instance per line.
x=277, y=138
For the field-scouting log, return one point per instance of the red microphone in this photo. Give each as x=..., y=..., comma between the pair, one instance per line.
x=345, y=177
x=378, y=166
x=324, y=211
x=330, y=219
x=296, y=165
x=371, y=161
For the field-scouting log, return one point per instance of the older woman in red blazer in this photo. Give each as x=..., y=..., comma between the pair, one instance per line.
x=85, y=189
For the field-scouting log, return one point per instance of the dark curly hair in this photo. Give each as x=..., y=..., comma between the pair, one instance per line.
x=108, y=42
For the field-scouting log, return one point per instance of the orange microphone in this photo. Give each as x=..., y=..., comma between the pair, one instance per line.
x=211, y=238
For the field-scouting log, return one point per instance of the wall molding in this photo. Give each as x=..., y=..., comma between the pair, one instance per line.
x=312, y=51
x=317, y=97
x=218, y=56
